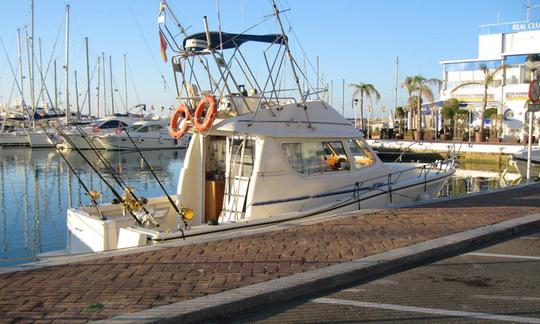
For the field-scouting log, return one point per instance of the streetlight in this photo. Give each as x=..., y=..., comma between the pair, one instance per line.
x=355, y=102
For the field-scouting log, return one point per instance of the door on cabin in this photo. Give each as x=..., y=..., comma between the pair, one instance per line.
x=239, y=168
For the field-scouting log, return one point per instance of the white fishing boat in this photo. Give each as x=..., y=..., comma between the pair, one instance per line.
x=255, y=156
x=145, y=135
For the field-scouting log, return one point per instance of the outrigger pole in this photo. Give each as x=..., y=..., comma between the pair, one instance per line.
x=113, y=190
x=91, y=193
x=181, y=213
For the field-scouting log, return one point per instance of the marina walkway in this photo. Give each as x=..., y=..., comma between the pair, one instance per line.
x=129, y=282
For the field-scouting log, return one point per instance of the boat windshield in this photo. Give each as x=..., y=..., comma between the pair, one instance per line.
x=316, y=157
x=361, y=155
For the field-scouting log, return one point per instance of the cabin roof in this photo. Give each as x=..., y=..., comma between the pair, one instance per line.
x=291, y=121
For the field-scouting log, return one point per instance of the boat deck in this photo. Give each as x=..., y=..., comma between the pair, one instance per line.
x=85, y=288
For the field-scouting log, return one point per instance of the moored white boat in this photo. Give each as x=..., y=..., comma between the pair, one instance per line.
x=38, y=138
x=84, y=137
x=15, y=138
x=254, y=157
x=147, y=135
x=519, y=160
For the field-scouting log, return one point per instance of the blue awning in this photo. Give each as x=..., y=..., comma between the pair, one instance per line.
x=233, y=40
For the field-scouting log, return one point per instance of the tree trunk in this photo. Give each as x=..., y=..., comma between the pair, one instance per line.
x=362, y=110
x=484, y=105
x=420, y=108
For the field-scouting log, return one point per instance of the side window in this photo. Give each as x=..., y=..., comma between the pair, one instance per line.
x=316, y=157
x=112, y=124
x=109, y=124
x=360, y=153
x=336, y=159
x=143, y=129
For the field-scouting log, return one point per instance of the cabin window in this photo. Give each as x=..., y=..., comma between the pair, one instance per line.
x=143, y=129
x=112, y=124
x=316, y=157
x=360, y=153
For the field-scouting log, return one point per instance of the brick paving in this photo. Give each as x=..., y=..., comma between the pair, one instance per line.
x=101, y=288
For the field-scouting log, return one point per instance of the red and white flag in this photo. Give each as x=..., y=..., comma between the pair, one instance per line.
x=163, y=46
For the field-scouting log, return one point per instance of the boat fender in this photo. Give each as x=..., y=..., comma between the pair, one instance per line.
x=203, y=123
x=179, y=124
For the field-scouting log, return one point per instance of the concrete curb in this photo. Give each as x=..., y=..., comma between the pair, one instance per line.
x=301, y=284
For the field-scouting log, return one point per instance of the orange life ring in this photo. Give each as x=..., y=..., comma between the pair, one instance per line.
x=183, y=112
x=204, y=123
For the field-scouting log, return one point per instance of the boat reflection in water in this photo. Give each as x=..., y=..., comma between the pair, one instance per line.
x=36, y=188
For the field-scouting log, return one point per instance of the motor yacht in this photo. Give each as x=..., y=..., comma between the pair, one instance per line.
x=255, y=156
x=145, y=135
x=85, y=137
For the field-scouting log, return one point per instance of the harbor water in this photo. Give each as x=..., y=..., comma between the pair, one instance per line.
x=36, y=188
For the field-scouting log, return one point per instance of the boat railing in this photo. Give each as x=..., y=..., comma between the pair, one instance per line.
x=420, y=171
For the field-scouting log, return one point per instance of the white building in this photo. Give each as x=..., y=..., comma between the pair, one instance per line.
x=509, y=44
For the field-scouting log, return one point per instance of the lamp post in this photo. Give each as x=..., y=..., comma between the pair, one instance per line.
x=533, y=63
x=354, y=107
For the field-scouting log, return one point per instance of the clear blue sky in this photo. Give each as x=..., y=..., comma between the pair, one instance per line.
x=355, y=40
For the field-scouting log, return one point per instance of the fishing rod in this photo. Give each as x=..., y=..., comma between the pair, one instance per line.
x=91, y=193
x=182, y=212
x=128, y=191
x=126, y=201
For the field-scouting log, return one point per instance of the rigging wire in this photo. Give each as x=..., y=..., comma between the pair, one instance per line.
x=165, y=87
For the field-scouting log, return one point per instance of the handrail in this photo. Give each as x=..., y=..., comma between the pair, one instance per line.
x=425, y=170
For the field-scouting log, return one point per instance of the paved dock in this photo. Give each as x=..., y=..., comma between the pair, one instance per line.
x=497, y=284
x=118, y=286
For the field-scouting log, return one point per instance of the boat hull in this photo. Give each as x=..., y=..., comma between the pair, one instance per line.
x=88, y=233
x=39, y=140
x=521, y=167
x=13, y=139
x=120, y=143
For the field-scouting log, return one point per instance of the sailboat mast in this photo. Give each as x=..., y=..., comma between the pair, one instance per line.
x=125, y=82
x=42, y=91
x=77, y=98
x=98, y=83
x=104, y=87
x=31, y=67
x=55, y=87
x=31, y=81
x=19, y=58
x=112, y=89
x=396, y=83
x=88, y=78
x=67, y=66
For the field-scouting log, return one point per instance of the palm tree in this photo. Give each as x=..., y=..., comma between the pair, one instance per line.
x=422, y=88
x=408, y=84
x=369, y=91
x=489, y=80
